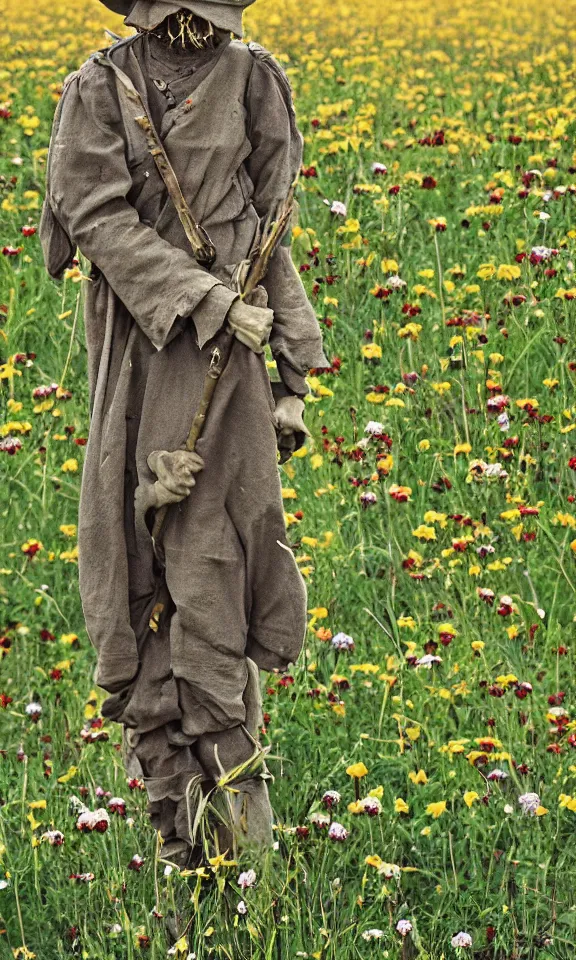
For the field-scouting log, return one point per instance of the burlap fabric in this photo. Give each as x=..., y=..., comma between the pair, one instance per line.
x=235, y=593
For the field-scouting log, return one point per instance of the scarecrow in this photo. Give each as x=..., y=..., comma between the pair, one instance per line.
x=171, y=167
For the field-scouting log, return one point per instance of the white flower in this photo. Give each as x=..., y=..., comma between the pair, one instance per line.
x=33, y=709
x=3, y=884
x=379, y=168
x=404, y=927
x=395, y=282
x=495, y=470
x=337, y=207
x=331, y=798
x=546, y=197
x=543, y=216
x=17, y=161
x=337, y=832
x=462, y=940
x=247, y=879
x=508, y=809
x=390, y=871
x=54, y=837
x=341, y=641
x=242, y=908
x=368, y=498
x=497, y=775
x=543, y=252
x=529, y=803
x=428, y=660
x=374, y=428
x=374, y=934
x=503, y=422
x=371, y=806
x=319, y=819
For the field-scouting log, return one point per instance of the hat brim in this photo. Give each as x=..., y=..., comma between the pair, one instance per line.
x=118, y=6
x=222, y=15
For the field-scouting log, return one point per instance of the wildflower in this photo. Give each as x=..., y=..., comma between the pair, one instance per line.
x=330, y=799
x=497, y=775
x=428, y=661
x=10, y=445
x=436, y=809
x=337, y=208
x=357, y=770
x=374, y=428
x=341, y=641
x=530, y=802
x=117, y=805
x=319, y=820
x=380, y=169
x=136, y=863
x=404, y=927
x=247, y=879
x=33, y=710
x=368, y=499
x=90, y=820
x=337, y=832
x=373, y=934
x=54, y=837
x=462, y=940
x=242, y=909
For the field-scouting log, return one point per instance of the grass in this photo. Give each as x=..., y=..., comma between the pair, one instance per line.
x=464, y=550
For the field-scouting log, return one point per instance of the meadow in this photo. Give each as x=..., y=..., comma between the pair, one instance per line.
x=423, y=747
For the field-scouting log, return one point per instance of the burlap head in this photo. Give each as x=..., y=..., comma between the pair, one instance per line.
x=147, y=14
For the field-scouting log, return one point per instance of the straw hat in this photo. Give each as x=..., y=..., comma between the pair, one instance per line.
x=147, y=14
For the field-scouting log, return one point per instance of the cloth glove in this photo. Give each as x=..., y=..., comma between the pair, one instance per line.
x=251, y=320
x=175, y=472
x=290, y=427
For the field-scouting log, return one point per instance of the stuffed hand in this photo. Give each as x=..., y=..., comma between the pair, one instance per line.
x=251, y=320
x=290, y=426
x=175, y=472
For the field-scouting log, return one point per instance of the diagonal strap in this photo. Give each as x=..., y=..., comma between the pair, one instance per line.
x=202, y=247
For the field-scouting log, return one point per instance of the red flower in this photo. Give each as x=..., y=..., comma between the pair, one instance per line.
x=429, y=183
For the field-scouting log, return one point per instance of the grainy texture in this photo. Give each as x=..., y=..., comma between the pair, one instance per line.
x=234, y=589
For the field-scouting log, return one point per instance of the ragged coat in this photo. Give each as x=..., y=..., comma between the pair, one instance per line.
x=151, y=315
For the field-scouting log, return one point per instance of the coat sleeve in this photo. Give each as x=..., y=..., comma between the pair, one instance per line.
x=273, y=165
x=87, y=185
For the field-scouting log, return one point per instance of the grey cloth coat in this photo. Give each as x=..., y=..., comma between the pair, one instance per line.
x=152, y=316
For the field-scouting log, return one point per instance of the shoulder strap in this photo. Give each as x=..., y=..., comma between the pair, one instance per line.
x=202, y=247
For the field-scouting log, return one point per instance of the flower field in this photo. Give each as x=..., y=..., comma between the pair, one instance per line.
x=424, y=746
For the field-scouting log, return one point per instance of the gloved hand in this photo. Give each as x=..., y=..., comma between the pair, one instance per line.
x=290, y=427
x=251, y=320
x=175, y=472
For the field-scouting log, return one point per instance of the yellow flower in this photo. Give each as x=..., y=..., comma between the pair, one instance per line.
x=389, y=266
x=400, y=806
x=371, y=351
x=508, y=271
x=373, y=861
x=469, y=797
x=357, y=770
x=424, y=533
x=68, y=529
x=419, y=777
x=69, y=466
x=436, y=809
x=486, y=271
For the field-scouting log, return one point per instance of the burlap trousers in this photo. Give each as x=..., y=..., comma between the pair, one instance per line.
x=168, y=768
